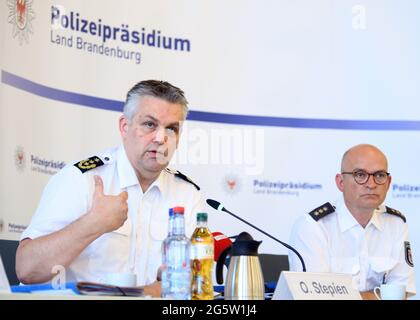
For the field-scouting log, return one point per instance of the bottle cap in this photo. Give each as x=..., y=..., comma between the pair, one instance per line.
x=178, y=210
x=171, y=212
x=202, y=216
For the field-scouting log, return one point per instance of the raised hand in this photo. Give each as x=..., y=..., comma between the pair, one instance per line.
x=108, y=212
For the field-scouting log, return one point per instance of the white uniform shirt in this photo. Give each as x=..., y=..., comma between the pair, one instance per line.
x=136, y=246
x=338, y=243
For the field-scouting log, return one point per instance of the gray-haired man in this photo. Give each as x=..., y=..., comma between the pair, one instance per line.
x=108, y=213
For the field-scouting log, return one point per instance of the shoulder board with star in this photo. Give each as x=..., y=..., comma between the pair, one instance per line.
x=322, y=211
x=89, y=164
x=182, y=176
x=395, y=213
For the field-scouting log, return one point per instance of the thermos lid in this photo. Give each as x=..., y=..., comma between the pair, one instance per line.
x=245, y=248
x=245, y=245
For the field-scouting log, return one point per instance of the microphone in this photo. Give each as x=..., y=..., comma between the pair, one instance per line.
x=221, y=243
x=219, y=207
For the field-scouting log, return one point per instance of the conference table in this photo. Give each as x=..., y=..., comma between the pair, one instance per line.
x=55, y=296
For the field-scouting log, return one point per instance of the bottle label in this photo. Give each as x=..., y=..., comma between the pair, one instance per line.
x=202, y=251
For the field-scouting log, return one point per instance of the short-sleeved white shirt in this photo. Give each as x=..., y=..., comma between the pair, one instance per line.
x=136, y=246
x=338, y=243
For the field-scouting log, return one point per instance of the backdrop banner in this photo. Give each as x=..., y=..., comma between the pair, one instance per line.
x=277, y=91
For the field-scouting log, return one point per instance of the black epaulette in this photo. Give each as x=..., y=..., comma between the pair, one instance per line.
x=89, y=164
x=395, y=213
x=322, y=211
x=183, y=177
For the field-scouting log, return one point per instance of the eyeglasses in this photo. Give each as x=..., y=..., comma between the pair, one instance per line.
x=361, y=176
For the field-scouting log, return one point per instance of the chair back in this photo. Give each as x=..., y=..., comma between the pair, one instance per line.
x=8, y=255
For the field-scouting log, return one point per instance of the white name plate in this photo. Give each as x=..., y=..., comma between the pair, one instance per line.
x=315, y=286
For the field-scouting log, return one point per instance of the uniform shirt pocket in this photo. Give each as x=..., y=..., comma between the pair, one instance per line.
x=110, y=252
x=347, y=265
x=124, y=230
x=379, y=268
x=158, y=230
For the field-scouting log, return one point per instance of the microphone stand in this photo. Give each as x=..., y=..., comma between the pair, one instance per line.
x=271, y=237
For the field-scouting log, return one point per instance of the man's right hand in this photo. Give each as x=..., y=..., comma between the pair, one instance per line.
x=35, y=258
x=108, y=212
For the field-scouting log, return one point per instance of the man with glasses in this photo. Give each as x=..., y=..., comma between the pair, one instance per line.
x=359, y=235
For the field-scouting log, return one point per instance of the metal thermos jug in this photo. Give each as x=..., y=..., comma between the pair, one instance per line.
x=244, y=279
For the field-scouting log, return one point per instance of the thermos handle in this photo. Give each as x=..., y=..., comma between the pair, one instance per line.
x=219, y=265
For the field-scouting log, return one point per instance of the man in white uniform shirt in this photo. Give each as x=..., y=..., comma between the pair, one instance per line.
x=359, y=235
x=108, y=213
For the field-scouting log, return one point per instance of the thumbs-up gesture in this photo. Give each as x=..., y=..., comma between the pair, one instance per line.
x=108, y=212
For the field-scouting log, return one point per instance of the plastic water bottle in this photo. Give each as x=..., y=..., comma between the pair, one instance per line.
x=163, y=268
x=170, y=233
x=176, y=271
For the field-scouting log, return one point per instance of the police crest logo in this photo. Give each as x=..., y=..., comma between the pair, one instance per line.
x=408, y=255
x=88, y=164
x=21, y=15
x=20, y=158
x=231, y=184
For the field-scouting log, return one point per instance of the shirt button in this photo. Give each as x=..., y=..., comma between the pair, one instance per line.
x=106, y=159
